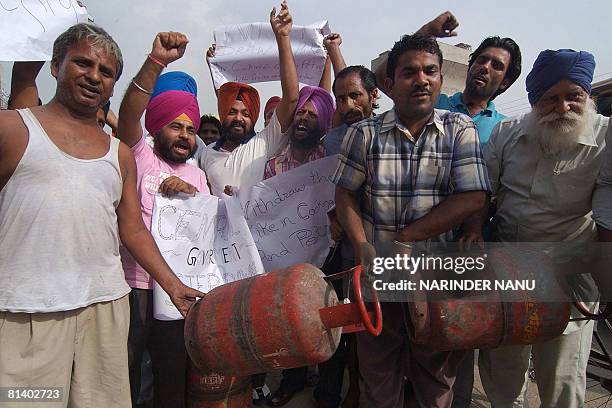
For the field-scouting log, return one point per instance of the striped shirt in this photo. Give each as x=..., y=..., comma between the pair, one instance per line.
x=284, y=161
x=400, y=178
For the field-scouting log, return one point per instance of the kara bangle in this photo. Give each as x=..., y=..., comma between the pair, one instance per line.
x=404, y=244
x=141, y=88
x=155, y=60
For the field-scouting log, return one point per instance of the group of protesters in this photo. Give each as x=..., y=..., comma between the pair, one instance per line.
x=78, y=261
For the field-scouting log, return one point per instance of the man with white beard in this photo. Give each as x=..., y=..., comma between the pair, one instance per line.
x=543, y=168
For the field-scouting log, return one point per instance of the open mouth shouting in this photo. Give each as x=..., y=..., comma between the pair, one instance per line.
x=301, y=129
x=181, y=148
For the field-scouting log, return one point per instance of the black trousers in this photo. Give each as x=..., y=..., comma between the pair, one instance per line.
x=166, y=344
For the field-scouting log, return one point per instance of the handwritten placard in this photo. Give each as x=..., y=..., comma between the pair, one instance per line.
x=287, y=214
x=205, y=241
x=248, y=53
x=274, y=224
x=29, y=27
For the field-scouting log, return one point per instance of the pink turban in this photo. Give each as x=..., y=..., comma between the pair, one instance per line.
x=323, y=104
x=174, y=95
x=168, y=106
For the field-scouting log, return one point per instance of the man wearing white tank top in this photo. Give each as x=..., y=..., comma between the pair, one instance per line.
x=67, y=194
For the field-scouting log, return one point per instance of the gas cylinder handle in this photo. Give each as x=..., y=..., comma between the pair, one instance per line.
x=367, y=322
x=588, y=315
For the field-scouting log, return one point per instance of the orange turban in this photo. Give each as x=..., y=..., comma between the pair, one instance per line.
x=271, y=104
x=230, y=92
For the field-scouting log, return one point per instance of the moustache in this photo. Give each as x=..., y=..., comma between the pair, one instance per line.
x=553, y=118
x=421, y=89
x=235, y=123
x=481, y=77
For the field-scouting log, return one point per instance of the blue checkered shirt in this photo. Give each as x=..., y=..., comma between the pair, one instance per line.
x=400, y=179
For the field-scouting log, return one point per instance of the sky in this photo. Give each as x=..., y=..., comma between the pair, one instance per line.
x=367, y=28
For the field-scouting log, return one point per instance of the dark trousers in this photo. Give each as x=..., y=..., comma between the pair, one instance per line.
x=258, y=380
x=398, y=373
x=464, y=383
x=294, y=379
x=166, y=345
x=331, y=373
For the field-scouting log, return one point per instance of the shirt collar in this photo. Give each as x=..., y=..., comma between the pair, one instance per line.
x=457, y=103
x=586, y=137
x=390, y=121
x=286, y=156
x=438, y=122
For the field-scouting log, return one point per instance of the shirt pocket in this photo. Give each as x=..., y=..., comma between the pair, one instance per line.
x=430, y=185
x=572, y=189
x=431, y=176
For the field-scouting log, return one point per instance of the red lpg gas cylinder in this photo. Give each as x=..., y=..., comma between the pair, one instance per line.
x=282, y=319
x=215, y=390
x=475, y=321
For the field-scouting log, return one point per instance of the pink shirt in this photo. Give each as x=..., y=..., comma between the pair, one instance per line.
x=151, y=171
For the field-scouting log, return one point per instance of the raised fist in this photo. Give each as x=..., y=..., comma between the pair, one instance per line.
x=169, y=46
x=442, y=26
x=332, y=40
x=281, y=23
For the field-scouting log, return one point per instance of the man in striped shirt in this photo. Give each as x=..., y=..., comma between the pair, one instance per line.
x=410, y=174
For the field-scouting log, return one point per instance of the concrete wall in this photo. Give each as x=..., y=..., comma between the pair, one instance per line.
x=454, y=67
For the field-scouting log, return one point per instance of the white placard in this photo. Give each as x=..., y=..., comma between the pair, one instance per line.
x=205, y=241
x=248, y=53
x=29, y=27
x=287, y=214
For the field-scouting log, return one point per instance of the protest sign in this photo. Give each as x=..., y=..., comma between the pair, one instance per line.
x=29, y=27
x=206, y=242
x=287, y=214
x=274, y=224
x=248, y=53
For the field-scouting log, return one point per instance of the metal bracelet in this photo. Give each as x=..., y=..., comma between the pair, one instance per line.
x=404, y=244
x=141, y=88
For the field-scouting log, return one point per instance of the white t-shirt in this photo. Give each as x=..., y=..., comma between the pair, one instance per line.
x=245, y=165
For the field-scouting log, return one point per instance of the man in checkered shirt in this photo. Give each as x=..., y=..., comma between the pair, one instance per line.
x=410, y=174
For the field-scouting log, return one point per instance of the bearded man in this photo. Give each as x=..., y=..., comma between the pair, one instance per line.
x=240, y=155
x=172, y=118
x=311, y=121
x=543, y=168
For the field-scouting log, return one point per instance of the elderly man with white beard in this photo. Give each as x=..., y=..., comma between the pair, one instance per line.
x=543, y=168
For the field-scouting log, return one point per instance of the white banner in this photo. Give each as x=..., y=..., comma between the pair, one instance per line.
x=287, y=214
x=248, y=53
x=206, y=242
x=29, y=27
